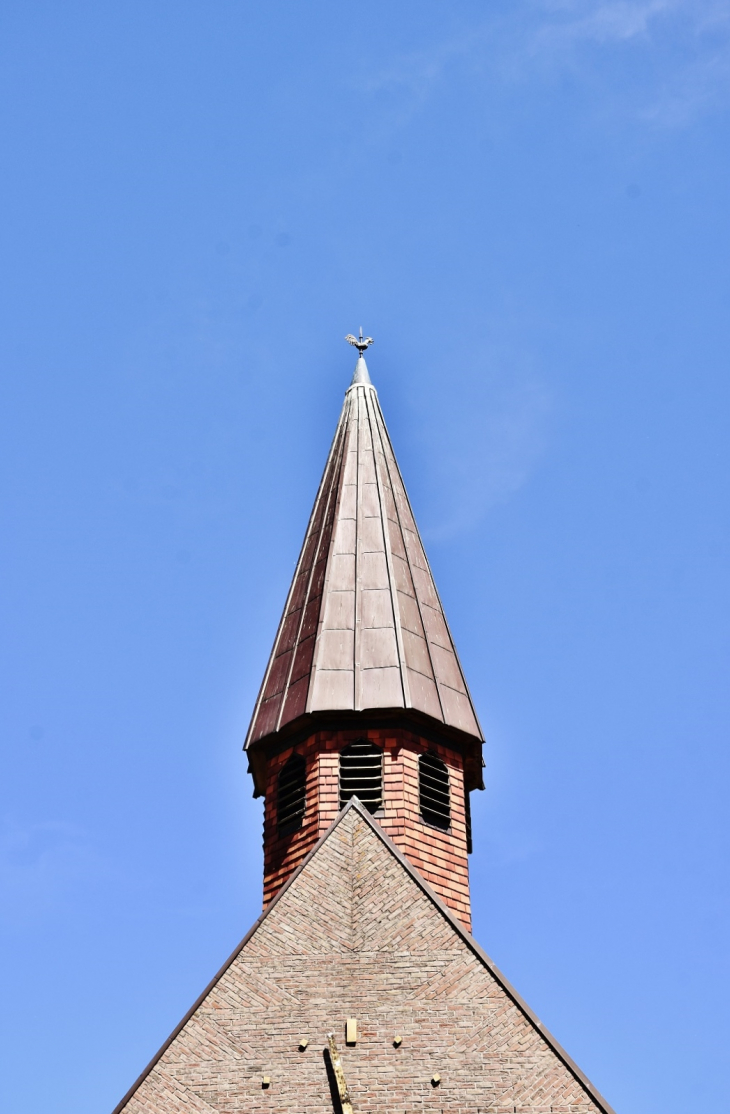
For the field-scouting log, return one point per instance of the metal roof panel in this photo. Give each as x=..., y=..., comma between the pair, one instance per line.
x=363, y=626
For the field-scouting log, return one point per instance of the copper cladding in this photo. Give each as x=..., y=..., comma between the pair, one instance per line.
x=363, y=627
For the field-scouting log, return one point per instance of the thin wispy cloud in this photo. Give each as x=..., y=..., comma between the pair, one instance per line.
x=679, y=50
x=42, y=866
x=482, y=437
x=614, y=22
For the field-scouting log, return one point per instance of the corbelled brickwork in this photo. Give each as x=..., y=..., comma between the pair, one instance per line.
x=356, y=934
x=440, y=856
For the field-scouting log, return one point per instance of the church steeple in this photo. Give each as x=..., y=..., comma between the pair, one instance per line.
x=363, y=646
x=365, y=744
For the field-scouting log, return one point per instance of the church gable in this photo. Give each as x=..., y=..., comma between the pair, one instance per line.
x=356, y=934
x=390, y=911
x=313, y=915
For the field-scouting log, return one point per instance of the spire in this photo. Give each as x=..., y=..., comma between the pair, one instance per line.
x=363, y=627
x=361, y=374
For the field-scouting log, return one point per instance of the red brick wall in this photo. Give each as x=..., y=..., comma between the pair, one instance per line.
x=439, y=856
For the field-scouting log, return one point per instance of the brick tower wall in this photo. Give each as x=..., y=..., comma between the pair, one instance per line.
x=439, y=856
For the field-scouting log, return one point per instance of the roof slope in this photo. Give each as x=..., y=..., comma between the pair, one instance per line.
x=363, y=626
x=357, y=932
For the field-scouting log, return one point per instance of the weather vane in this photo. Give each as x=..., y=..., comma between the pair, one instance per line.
x=361, y=342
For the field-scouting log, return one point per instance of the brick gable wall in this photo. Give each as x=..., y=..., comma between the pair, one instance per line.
x=441, y=857
x=356, y=935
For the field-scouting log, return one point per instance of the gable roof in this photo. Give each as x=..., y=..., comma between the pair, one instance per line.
x=363, y=627
x=356, y=919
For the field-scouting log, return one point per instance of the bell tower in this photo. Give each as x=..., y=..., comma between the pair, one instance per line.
x=364, y=694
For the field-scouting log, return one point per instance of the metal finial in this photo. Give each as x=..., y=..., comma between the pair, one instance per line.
x=361, y=343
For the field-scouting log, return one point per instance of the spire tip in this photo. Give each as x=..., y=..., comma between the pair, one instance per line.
x=361, y=368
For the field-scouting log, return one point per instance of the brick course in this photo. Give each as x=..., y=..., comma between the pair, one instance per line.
x=356, y=935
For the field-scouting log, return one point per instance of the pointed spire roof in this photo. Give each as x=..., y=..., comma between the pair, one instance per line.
x=363, y=627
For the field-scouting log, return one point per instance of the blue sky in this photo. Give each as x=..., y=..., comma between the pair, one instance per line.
x=526, y=204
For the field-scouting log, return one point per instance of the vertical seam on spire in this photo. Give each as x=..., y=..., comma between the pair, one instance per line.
x=410, y=567
x=405, y=687
x=356, y=685
x=305, y=601
x=441, y=606
x=290, y=593
x=344, y=419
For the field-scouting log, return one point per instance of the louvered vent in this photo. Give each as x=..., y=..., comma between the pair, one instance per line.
x=292, y=793
x=361, y=774
x=433, y=784
x=467, y=817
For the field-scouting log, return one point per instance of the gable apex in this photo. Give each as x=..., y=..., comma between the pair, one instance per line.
x=356, y=931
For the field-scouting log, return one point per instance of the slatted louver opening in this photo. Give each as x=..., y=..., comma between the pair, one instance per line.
x=433, y=784
x=361, y=774
x=291, y=793
x=467, y=817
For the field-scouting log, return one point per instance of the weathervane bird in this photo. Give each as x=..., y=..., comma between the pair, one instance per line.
x=361, y=342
